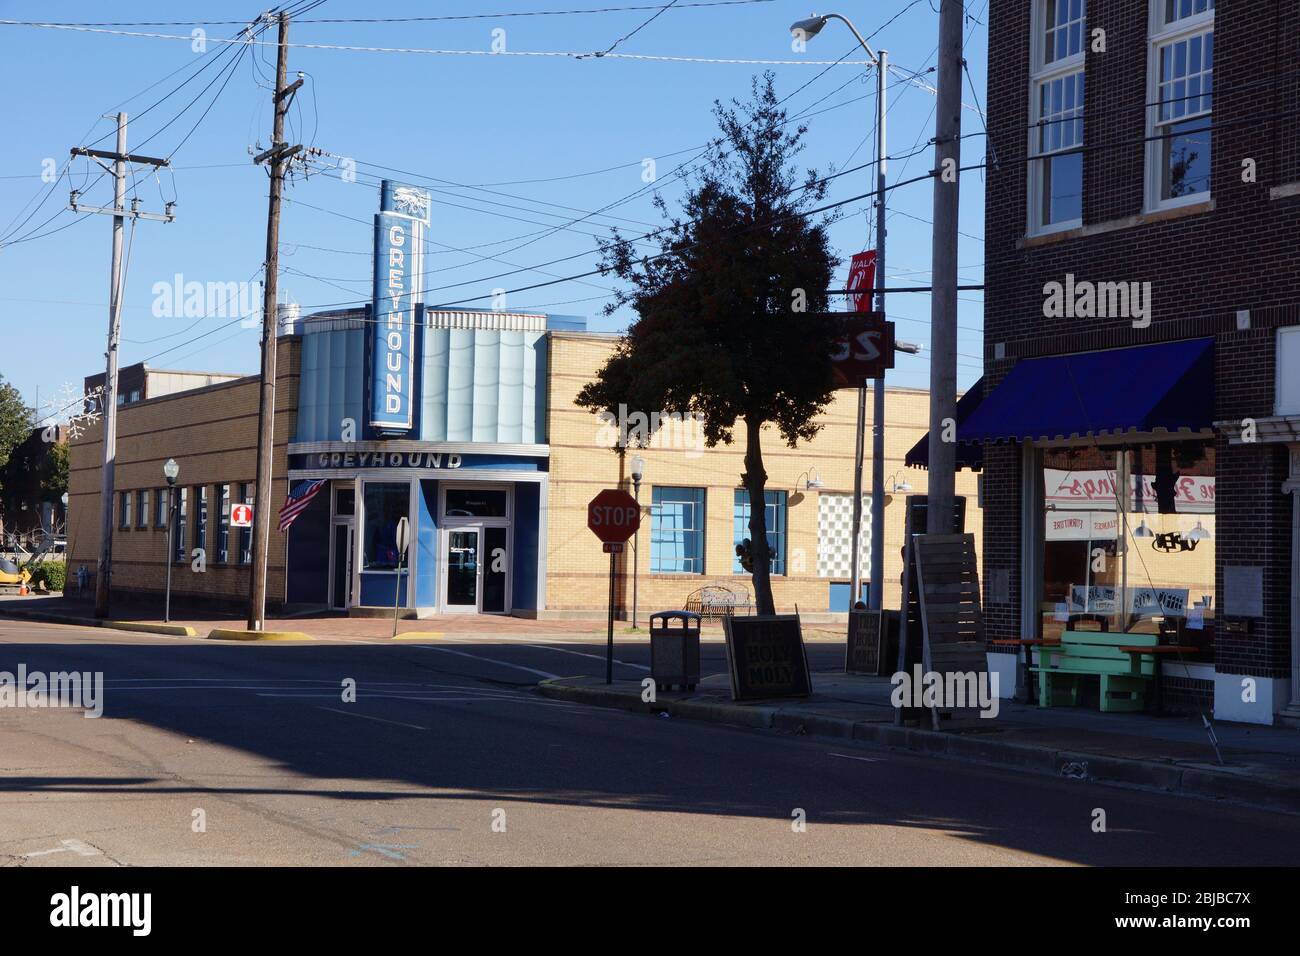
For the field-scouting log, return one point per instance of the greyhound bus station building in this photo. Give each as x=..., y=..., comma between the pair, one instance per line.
x=464, y=423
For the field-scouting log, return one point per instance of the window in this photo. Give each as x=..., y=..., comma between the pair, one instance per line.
x=161, y=505
x=142, y=509
x=1181, y=98
x=135, y=395
x=223, y=525
x=677, y=531
x=182, y=513
x=201, y=517
x=472, y=503
x=123, y=510
x=1056, y=115
x=1176, y=10
x=246, y=534
x=385, y=503
x=1128, y=541
x=775, y=517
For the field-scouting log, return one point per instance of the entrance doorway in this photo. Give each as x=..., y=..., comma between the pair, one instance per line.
x=341, y=552
x=474, y=548
x=475, y=570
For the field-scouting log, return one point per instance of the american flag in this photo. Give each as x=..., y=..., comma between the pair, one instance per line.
x=299, y=498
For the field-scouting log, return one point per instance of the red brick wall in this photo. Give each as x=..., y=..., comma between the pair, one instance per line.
x=1204, y=263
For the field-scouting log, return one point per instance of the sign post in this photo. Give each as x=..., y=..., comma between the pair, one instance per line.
x=403, y=539
x=613, y=516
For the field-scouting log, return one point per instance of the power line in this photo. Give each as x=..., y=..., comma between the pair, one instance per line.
x=435, y=19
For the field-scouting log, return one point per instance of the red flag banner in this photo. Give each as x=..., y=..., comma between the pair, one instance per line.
x=862, y=280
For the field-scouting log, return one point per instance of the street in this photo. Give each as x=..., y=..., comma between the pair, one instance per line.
x=248, y=754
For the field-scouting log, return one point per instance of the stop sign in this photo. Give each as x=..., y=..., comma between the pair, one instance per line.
x=613, y=515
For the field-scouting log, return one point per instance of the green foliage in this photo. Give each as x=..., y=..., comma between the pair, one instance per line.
x=54, y=472
x=51, y=575
x=716, y=335
x=17, y=420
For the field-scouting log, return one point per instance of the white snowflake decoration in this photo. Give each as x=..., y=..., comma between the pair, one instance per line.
x=73, y=410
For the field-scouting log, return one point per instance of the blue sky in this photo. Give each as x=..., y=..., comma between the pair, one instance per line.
x=533, y=130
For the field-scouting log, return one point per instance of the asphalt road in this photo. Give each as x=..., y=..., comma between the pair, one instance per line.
x=224, y=754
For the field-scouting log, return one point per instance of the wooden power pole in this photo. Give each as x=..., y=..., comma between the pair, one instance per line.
x=277, y=159
x=943, y=295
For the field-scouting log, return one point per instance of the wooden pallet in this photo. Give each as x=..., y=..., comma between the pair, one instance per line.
x=941, y=585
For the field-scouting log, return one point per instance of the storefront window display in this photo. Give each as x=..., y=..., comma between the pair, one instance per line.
x=1127, y=540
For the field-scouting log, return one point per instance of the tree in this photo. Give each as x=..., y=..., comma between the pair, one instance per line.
x=16, y=420
x=731, y=323
x=54, y=472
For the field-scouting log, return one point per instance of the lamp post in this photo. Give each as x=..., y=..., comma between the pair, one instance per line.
x=807, y=29
x=638, y=469
x=171, y=471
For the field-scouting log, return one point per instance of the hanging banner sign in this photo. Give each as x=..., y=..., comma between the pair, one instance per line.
x=862, y=280
x=398, y=284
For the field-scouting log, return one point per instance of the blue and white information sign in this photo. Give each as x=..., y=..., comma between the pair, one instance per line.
x=399, y=277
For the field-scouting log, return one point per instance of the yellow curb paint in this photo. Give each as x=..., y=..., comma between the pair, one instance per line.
x=418, y=636
x=174, y=630
x=231, y=634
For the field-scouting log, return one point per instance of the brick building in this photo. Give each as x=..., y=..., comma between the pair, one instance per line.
x=1140, y=423
x=469, y=494
x=464, y=424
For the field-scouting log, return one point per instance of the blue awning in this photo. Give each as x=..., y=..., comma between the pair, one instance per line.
x=1091, y=394
x=968, y=456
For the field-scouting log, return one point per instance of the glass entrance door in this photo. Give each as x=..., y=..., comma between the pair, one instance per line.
x=462, y=563
x=341, y=579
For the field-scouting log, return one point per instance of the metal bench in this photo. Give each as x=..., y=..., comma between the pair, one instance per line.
x=715, y=602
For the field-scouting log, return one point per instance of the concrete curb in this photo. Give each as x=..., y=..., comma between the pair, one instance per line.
x=237, y=634
x=174, y=630
x=1206, y=783
x=44, y=617
x=419, y=636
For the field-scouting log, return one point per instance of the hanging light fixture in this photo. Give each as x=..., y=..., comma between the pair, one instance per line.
x=1198, y=533
x=1143, y=531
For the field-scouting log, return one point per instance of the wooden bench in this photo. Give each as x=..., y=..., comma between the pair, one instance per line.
x=1124, y=676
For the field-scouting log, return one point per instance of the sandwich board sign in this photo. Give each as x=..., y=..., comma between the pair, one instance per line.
x=766, y=657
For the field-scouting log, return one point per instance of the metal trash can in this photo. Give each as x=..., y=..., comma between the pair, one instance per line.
x=675, y=649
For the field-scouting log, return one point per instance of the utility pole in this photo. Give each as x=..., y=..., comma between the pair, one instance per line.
x=878, y=387
x=943, y=296
x=277, y=159
x=108, y=399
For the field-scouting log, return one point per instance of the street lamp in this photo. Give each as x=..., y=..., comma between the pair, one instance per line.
x=803, y=30
x=898, y=486
x=171, y=471
x=638, y=469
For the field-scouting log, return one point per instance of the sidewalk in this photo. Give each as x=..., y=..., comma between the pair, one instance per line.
x=1261, y=764
x=335, y=625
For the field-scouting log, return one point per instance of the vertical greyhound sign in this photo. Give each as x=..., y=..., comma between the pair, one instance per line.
x=399, y=277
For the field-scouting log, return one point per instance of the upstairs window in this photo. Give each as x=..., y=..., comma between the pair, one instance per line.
x=1181, y=94
x=1056, y=115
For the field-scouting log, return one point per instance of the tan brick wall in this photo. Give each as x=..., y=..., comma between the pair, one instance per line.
x=212, y=434
x=577, y=570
